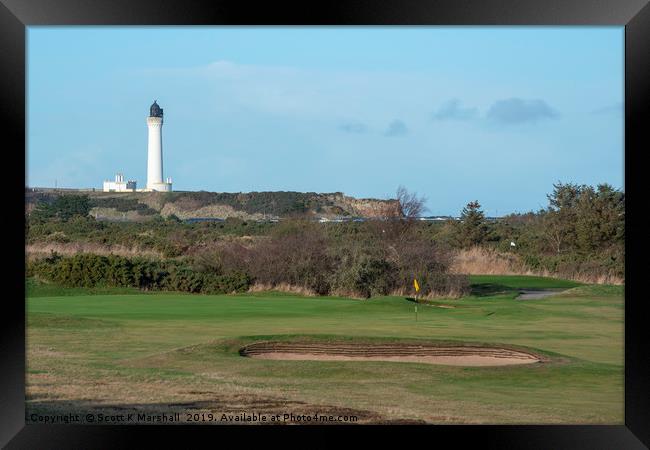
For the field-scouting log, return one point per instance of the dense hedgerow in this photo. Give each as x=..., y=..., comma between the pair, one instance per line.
x=305, y=255
x=87, y=270
x=169, y=237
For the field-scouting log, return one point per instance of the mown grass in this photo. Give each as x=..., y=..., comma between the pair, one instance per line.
x=482, y=285
x=35, y=288
x=151, y=349
x=595, y=291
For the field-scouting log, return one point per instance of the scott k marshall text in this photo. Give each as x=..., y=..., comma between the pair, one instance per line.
x=187, y=417
x=105, y=418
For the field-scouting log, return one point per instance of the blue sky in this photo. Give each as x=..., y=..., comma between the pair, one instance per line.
x=496, y=114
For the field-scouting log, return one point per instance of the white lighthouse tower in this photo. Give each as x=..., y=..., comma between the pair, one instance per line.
x=154, y=156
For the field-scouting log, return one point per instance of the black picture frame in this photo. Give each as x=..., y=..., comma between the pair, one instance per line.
x=16, y=15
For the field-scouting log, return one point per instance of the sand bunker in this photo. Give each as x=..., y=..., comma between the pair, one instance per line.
x=419, y=353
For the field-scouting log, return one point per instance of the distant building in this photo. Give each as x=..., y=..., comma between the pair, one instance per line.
x=119, y=185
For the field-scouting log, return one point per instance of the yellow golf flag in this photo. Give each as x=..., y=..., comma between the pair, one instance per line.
x=416, y=285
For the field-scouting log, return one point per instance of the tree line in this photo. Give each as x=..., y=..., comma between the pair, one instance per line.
x=582, y=230
x=297, y=254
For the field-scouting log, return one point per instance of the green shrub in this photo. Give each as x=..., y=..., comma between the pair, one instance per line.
x=367, y=277
x=226, y=284
x=87, y=270
x=63, y=208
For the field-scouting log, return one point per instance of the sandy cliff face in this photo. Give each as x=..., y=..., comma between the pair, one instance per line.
x=154, y=200
x=214, y=211
x=364, y=207
x=329, y=205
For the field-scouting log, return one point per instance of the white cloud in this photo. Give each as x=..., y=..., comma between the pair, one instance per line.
x=517, y=110
x=453, y=111
x=396, y=128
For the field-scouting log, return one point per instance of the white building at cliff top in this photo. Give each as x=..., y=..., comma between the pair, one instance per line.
x=119, y=185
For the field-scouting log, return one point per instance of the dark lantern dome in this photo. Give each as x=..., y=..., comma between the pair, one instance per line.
x=155, y=110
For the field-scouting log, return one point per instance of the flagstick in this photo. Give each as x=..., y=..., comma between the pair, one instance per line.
x=415, y=297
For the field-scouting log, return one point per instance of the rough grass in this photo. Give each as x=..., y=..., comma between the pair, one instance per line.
x=282, y=287
x=173, y=352
x=42, y=249
x=487, y=261
x=65, y=322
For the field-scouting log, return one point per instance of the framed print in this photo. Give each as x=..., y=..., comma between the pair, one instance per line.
x=370, y=217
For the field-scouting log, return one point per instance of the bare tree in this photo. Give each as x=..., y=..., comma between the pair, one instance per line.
x=410, y=205
x=398, y=221
x=394, y=229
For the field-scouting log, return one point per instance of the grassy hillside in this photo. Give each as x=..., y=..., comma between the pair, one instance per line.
x=142, y=206
x=173, y=352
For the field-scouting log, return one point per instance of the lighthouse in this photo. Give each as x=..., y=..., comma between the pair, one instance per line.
x=154, y=153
